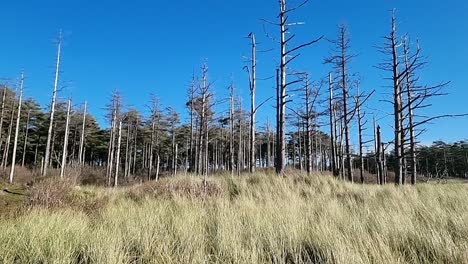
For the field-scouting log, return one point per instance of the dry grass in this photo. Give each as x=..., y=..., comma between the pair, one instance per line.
x=251, y=219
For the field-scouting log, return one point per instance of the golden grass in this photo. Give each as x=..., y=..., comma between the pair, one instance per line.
x=251, y=219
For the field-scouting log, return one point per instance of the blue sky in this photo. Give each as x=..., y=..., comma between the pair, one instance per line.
x=144, y=47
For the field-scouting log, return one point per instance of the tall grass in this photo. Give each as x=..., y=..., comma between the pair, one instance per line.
x=251, y=219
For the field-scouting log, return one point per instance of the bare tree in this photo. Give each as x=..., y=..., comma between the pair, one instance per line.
x=340, y=63
x=286, y=57
x=52, y=107
x=65, y=141
x=231, y=125
x=114, y=108
x=332, y=127
x=6, y=150
x=253, y=109
x=117, y=159
x=308, y=117
x=25, y=143
x=18, y=117
x=4, y=92
x=82, y=137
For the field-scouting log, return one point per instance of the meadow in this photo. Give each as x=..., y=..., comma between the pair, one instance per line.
x=257, y=218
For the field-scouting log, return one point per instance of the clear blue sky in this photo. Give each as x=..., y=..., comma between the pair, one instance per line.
x=144, y=47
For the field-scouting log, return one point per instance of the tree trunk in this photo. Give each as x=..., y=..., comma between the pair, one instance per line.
x=6, y=151
x=253, y=110
x=65, y=141
x=397, y=105
x=332, y=127
x=26, y=138
x=281, y=144
x=82, y=138
x=18, y=117
x=117, y=159
x=2, y=115
x=52, y=108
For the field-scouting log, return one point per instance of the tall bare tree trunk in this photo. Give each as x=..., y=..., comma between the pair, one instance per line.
x=52, y=107
x=151, y=149
x=82, y=138
x=110, y=159
x=18, y=117
x=344, y=86
x=65, y=141
x=376, y=152
x=332, y=127
x=397, y=106
x=26, y=138
x=361, y=142
x=192, y=98
x=2, y=114
x=127, y=154
x=253, y=110
x=117, y=159
x=6, y=151
x=281, y=144
x=412, y=136
x=231, y=136
x=239, y=151
x=268, y=152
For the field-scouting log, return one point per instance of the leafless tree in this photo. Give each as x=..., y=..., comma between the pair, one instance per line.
x=65, y=141
x=18, y=117
x=287, y=55
x=341, y=61
x=52, y=107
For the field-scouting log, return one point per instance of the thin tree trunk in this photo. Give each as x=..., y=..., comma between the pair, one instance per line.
x=117, y=159
x=2, y=115
x=65, y=141
x=110, y=159
x=25, y=138
x=8, y=139
x=281, y=144
x=15, y=144
x=397, y=105
x=253, y=84
x=151, y=150
x=52, y=108
x=82, y=138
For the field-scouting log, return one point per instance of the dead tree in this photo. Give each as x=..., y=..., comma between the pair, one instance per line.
x=26, y=137
x=155, y=116
x=82, y=138
x=268, y=141
x=117, y=159
x=52, y=107
x=191, y=103
x=287, y=55
x=231, y=124
x=205, y=113
x=331, y=110
x=340, y=63
x=377, y=152
x=65, y=141
x=18, y=117
x=393, y=65
x=114, y=116
x=308, y=116
x=2, y=113
x=6, y=150
x=173, y=119
x=253, y=109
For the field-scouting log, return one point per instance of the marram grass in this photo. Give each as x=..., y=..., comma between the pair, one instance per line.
x=250, y=219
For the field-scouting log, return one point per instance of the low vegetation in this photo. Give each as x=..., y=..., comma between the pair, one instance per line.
x=247, y=219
